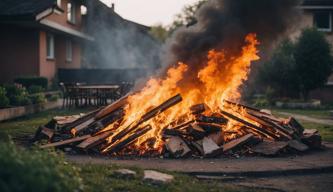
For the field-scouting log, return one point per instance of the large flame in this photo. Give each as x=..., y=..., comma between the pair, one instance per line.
x=221, y=79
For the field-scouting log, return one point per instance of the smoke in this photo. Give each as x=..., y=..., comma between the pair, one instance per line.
x=118, y=43
x=223, y=24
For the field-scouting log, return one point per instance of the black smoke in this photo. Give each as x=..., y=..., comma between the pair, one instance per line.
x=223, y=24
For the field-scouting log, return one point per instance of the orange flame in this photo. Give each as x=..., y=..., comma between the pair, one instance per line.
x=221, y=77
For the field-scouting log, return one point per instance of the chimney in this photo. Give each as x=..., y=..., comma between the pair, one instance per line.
x=112, y=6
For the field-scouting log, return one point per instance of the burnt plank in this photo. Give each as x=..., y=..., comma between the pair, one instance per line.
x=237, y=142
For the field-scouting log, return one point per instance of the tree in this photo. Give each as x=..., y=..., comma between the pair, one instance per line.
x=187, y=17
x=279, y=72
x=313, y=61
x=159, y=32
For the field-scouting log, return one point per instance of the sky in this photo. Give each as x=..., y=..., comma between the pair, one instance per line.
x=149, y=12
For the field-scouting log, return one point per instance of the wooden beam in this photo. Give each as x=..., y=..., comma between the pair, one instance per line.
x=95, y=140
x=112, y=107
x=259, y=130
x=65, y=142
x=150, y=114
x=121, y=144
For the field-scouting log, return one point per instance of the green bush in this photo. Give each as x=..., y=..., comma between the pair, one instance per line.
x=37, y=98
x=29, y=81
x=54, y=97
x=35, y=89
x=4, y=101
x=35, y=170
x=18, y=96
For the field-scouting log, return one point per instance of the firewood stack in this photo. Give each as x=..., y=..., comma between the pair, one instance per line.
x=234, y=130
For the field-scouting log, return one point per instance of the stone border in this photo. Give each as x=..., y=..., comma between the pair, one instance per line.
x=14, y=112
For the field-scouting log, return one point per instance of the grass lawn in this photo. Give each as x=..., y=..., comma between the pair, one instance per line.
x=316, y=113
x=100, y=177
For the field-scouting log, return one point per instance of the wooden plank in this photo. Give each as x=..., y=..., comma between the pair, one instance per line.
x=150, y=114
x=259, y=130
x=269, y=148
x=112, y=107
x=82, y=126
x=65, y=142
x=84, y=118
x=121, y=144
x=285, y=134
x=177, y=147
x=210, y=148
x=48, y=132
x=237, y=142
x=217, y=137
x=199, y=108
x=95, y=140
x=292, y=122
x=211, y=119
x=299, y=146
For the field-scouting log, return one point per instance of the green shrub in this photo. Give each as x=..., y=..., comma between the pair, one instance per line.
x=37, y=98
x=35, y=89
x=4, y=101
x=261, y=102
x=29, y=81
x=54, y=97
x=35, y=170
x=18, y=96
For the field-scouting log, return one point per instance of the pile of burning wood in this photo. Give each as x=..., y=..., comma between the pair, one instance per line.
x=235, y=130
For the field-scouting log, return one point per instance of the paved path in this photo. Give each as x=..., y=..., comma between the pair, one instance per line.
x=316, y=160
x=307, y=118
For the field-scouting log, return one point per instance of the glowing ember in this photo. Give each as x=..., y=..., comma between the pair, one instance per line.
x=220, y=80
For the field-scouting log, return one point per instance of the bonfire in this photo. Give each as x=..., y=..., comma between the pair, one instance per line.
x=183, y=115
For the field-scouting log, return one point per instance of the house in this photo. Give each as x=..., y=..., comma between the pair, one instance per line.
x=39, y=36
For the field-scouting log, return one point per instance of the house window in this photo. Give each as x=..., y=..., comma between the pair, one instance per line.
x=59, y=3
x=49, y=46
x=323, y=21
x=69, y=50
x=71, y=12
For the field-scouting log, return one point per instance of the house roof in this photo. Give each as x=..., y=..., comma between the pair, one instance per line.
x=317, y=3
x=24, y=8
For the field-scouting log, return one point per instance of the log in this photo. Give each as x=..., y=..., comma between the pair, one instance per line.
x=65, y=142
x=177, y=147
x=95, y=140
x=210, y=148
x=258, y=130
x=237, y=142
x=115, y=147
x=150, y=114
x=269, y=148
x=112, y=107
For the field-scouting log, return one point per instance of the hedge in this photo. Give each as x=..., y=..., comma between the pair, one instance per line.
x=30, y=81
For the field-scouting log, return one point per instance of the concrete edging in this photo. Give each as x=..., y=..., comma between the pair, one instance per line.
x=14, y=112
